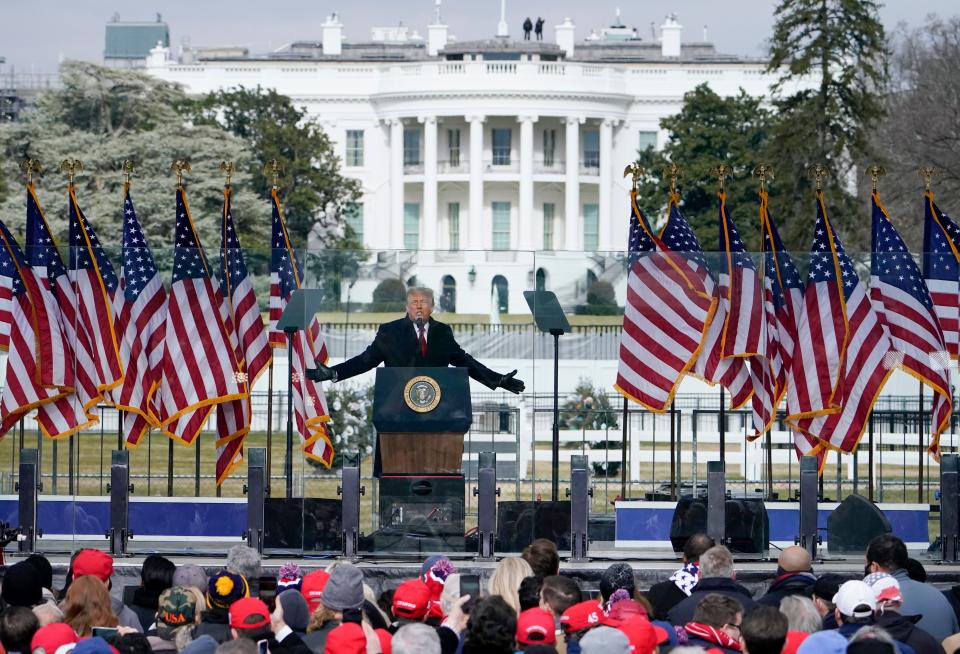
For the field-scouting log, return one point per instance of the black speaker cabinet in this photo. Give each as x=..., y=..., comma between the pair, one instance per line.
x=308, y=524
x=852, y=525
x=429, y=505
x=520, y=523
x=745, y=520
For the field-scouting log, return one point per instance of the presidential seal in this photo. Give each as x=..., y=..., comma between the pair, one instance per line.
x=422, y=394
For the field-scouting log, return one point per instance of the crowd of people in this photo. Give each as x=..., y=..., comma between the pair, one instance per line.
x=527, y=606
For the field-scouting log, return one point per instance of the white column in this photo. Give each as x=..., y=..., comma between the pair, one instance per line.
x=430, y=223
x=571, y=212
x=475, y=217
x=525, y=231
x=606, y=181
x=396, y=183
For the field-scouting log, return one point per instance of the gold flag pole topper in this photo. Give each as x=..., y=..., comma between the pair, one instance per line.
x=876, y=172
x=722, y=172
x=31, y=167
x=226, y=168
x=763, y=172
x=71, y=167
x=673, y=173
x=274, y=170
x=179, y=167
x=127, y=168
x=818, y=173
x=634, y=170
x=927, y=173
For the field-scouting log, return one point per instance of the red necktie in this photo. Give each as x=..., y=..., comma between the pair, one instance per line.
x=423, y=342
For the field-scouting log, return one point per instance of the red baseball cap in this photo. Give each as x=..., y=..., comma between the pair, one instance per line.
x=411, y=600
x=581, y=616
x=536, y=627
x=348, y=638
x=311, y=587
x=642, y=634
x=53, y=636
x=93, y=562
x=249, y=613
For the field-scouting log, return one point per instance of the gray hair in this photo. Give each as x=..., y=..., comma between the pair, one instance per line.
x=421, y=290
x=244, y=560
x=716, y=562
x=47, y=612
x=238, y=646
x=416, y=638
x=801, y=614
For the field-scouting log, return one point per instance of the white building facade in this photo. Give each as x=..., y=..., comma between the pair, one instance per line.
x=499, y=162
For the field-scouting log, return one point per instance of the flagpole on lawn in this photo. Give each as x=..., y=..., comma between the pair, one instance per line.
x=271, y=168
x=721, y=172
x=634, y=170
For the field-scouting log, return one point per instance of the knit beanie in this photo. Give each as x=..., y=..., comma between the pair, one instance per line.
x=225, y=588
x=190, y=575
x=618, y=575
x=22, y=585
x=344, y=590
x=295, y=611
x=290, y=577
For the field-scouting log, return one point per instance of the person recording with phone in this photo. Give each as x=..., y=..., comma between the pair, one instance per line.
x=251, y=619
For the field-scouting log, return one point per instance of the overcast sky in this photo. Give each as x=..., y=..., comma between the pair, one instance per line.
x=35, y=36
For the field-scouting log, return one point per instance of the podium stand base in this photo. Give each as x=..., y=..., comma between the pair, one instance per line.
x=421, y=504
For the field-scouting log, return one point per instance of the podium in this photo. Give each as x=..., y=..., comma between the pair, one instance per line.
x=421, y=416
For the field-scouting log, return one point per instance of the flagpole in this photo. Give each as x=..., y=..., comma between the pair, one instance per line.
x=269, y=419
x=623, y=451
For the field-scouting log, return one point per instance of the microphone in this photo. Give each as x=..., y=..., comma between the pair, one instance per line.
x=419, y=322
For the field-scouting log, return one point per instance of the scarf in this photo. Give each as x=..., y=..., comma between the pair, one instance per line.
x=686, y=577
x=712, y=635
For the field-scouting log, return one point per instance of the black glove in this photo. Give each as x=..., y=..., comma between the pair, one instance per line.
x=509, y=383
x=321, y=373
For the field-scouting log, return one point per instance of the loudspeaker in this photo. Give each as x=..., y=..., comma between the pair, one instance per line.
x=852, y=525
x=745, y=522
x=308, y=524
x=427, y=505
x=520, y=523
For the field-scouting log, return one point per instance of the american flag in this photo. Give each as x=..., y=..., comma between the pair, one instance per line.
x=732, y=373
x=666, y=314
x=903, y=303
x=200, y=367
x=95, y=284
x=141, y=307
x=309, y=404
x=783, y=295
x=857, y=353
x=941, y=270
x=241, y=314
x=68, y=414
x=22, y=391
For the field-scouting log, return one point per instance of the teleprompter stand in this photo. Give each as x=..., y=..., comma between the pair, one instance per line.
x=549, y=317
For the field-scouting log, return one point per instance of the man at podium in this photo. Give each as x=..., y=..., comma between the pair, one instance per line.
x=416, y=341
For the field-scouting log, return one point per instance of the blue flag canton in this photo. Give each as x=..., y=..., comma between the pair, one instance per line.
x=284, y=258
x=233, y=268
x=730, y=241
x=138, y=264
x=939, y=261
x=892, y=262
x=82, y=255
x=189, y=261
x=41, y=251
x=679, y=237
x=778, y=265
x=9, y=263
x=640, y=243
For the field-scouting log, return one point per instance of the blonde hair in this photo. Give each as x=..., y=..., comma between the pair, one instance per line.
x=506, y=579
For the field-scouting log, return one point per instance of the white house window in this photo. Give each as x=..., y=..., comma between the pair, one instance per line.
x=353, y=213
x=647, y=140
x=549, y=211
x=501, y=225
x=453, y=224
x=411, y=225
x=501, y=146
x=591, y=227
x=411, y=147
x=591, y=148
x=453, y=144
x=354, y=156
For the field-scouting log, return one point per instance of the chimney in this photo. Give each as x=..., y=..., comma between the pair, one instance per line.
x=670, y=37
x=436, y=34
x=564, y=36
x=332, y=36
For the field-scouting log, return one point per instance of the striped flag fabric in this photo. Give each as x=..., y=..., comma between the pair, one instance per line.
x=22, y=389
x=941, y=270
x=906, y=311
x=68, y=414
x=141, y=316
x=666, y=315
x=309, y=404
x=783, y=295
x=862, y=361
x=248, y=334
x=200, y=367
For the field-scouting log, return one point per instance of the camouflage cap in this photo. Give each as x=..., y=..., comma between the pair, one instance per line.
x=177, y=607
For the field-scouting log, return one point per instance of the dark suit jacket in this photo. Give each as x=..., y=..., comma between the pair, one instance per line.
x=396, y=345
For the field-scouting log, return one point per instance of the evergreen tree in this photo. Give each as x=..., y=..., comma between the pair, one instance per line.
x=830, y=57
